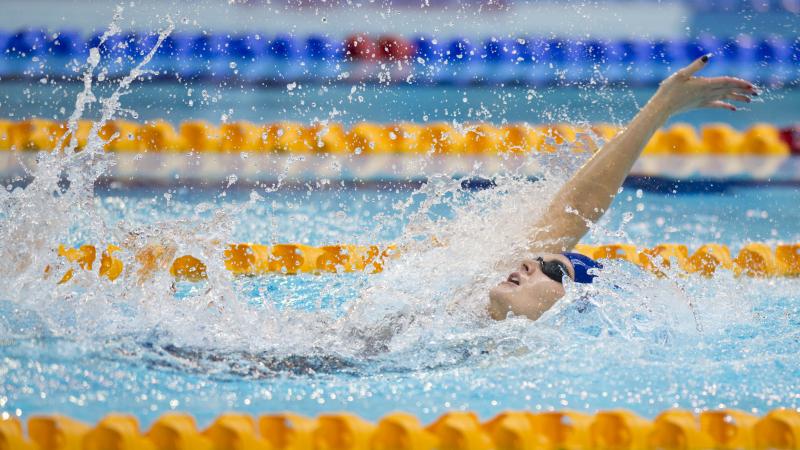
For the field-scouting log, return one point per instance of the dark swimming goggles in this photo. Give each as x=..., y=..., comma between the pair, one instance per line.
x=554, y=269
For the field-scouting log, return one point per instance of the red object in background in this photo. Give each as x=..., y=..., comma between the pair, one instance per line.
x=791, y=135
x=360, y=47
x=395, y=48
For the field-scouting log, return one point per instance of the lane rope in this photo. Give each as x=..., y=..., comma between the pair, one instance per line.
x=260, y=58
x=754, y=259
x=618, y=429
x=366, y=138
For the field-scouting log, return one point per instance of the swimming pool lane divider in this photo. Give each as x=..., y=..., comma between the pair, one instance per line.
x=155, y=153
x=754, y=259
x=399, y=138
x=620, y=429
x=360, y=57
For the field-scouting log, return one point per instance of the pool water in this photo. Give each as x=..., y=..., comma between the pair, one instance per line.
x=366, y=215
x=349, y=104
x=421, y=343
x=415, y=337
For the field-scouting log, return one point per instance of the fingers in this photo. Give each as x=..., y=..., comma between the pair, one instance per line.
x=720, y=104
x=733, y=92
x=695, y=66
x=738, y=97
x=732, y=83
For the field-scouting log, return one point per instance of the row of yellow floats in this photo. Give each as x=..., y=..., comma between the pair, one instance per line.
x=615, y=429
x=240, y=259
x=373, y=138
x=754, y=259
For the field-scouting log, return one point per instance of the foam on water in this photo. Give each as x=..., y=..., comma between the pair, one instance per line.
x=435, y=291
x=427, y=285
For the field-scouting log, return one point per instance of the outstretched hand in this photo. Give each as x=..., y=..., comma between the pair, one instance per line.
x=683, y=90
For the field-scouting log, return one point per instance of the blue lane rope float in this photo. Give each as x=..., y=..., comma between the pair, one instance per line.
x=425, y=59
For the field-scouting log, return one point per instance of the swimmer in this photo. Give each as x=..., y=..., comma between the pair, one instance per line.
x=537, y=283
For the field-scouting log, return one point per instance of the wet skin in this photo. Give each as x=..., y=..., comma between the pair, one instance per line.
x=528, y=291
x=590, y=191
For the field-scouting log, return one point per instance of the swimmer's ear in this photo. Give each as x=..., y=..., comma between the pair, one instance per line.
x=696, y=65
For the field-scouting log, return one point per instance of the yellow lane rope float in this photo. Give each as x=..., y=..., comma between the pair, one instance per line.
x=401, y=138
x=615, y=429
x=754, y=259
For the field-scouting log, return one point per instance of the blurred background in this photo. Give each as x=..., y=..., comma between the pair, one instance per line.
x=495, y=61
x=313, y=65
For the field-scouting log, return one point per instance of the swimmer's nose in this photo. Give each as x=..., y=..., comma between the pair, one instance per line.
x=528, y=266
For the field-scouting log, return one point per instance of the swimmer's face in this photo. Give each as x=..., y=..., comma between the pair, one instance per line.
x=528, y=291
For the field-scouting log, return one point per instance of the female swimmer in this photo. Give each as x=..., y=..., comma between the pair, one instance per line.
x=537, y=284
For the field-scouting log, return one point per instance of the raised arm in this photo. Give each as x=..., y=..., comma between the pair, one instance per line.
x=588, y=194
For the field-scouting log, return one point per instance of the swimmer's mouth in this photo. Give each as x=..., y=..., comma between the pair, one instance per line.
x=513, y=278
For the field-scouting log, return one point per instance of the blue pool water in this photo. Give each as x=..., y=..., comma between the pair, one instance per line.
x=346, y=104
x=422, y=345
x=733, y=216
x=415, y=337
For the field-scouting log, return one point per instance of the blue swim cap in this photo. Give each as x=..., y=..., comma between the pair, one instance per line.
x=582, y=264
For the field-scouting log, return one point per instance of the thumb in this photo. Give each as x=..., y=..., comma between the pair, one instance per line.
x=696, y=65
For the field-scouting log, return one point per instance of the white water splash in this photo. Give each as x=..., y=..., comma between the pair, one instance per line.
x=424, y=309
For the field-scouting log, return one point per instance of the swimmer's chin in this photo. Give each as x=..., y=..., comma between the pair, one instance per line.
x=505, y=298
x=499, y=306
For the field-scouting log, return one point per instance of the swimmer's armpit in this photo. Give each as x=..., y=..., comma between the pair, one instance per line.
x=546, y=239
